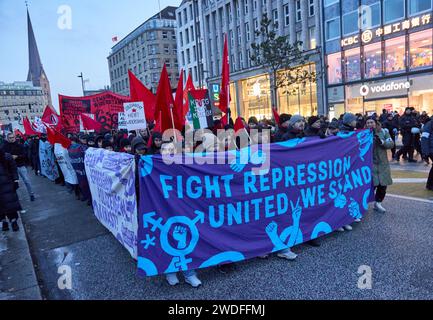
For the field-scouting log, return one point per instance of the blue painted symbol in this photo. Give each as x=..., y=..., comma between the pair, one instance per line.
x=365, y=199
x=354, y=210
x=244, y=157
x=340, y=201
x=182, y=227
x=146, y=165
x=147, y=266
x=150, y=241
x=291, y=143
x=365, y=139
x=321, y=227
x=224, y=257
x=345, y=135
x=290, y=236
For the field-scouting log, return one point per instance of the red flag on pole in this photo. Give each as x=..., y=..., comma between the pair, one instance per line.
x=225, y=80
x=239, y=124
x=51, y=117
x=54, y=137
x=164, y=103
x=188, y=87
x=179, y=117
x=28, y=128
x=139, y=92
x=276, y=116
x=89, y=123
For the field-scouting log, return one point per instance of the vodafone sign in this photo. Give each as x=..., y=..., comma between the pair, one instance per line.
x=387, y=87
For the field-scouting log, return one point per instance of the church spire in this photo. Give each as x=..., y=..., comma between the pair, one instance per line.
x=36, y=71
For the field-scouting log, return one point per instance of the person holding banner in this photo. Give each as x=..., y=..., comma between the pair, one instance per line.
x=381, y=169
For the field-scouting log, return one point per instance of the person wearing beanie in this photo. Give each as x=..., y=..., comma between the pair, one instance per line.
x=91, y=142
x=314, y=128
x=333, y=128
x=98, y=141
x=107, y=145
x=83, y=139
x=125, y=146
x=283, y=127
x=138, y=146
x=296, y=128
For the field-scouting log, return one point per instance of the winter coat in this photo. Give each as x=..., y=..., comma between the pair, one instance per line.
x=406, y=125
x=381, y=168
x=16, y=149
x=292, y=134
x=9, y=201
x=427, y=139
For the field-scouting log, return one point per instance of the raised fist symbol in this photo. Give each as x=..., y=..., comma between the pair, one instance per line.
x=179, y=234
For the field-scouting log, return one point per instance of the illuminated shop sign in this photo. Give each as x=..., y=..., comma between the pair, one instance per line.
x=365, y=90
x=369, y=35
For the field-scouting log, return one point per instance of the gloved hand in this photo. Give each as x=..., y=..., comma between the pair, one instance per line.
x=377, y=140
x=16, y=185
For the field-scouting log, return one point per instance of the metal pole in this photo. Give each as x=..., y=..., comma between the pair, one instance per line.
x=82, y=82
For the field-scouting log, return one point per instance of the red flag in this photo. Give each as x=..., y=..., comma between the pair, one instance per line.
x=114, y=39
x=28, y=128
x=54, y=137
x=139, y=92
x=51, y=117
x=179, y=117
x=188, y=87
x=276, y=116
x=239, y=124
x=225, y=80
x=17, y=132
x=225, y=120
x=164, y=102
x=89, y=123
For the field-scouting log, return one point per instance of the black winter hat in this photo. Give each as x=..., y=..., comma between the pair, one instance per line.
x=284, y=117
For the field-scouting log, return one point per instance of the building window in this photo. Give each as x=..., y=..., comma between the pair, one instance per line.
x=330, y=2
x=167, y=49
x=187, y=36
x=298, y=11
x=179, y=18
x=192, y=33
x=311, y=11
x=421, y=49
x=247, y=28
x=275, y=15
x=312, y=34
x=352, y=64
x=188, y=56
x=286, y=15
x=417, y=6
x=246, y=7
x=393, y=10
x=332, y=29
x=165, y=35
x=181, y=38
x=350, y=22
x=370, y=16
x=395, y=51
x=373, y=60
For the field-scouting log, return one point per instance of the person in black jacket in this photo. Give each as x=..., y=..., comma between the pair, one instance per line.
x=34, y=151
x=407, y=122
x=10, y=204
x=427, y=149
x=390, y=125
x=13, y=147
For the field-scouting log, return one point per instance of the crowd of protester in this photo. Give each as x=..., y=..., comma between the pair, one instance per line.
x=416, y=130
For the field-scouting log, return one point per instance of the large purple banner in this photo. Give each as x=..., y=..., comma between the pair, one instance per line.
x=197, y=215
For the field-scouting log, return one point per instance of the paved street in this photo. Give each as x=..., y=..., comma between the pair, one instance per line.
x=397, y=246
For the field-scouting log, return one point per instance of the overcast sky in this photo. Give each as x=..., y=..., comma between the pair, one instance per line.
x=67, y=52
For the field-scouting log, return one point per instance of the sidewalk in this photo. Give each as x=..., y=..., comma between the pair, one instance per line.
x=17, y=275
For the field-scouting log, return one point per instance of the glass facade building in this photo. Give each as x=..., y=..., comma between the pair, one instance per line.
x=378, y=55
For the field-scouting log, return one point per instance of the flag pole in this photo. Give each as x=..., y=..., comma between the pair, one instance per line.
x=172, y=123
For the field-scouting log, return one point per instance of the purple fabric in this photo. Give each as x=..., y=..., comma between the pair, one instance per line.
x=195, y=216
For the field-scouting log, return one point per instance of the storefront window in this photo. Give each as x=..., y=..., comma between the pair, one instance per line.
x=417, y=6
x=353, y=64
x=300, y=98
x=334, y=68
x=372, y=60
x=421, y=49
x=395, y=50
x=256, y=97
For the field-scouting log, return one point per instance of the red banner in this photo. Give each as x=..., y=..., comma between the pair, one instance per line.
x=105, y=106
